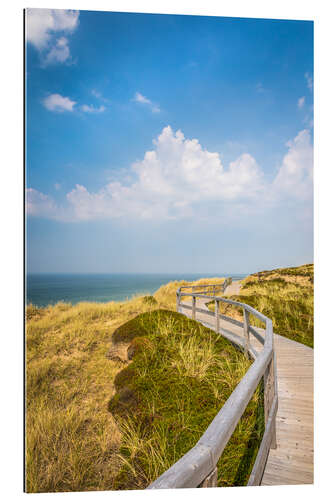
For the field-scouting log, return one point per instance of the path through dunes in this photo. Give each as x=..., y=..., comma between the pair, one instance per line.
x=292, y=461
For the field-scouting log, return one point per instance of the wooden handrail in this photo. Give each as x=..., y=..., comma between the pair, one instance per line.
x=197, y=468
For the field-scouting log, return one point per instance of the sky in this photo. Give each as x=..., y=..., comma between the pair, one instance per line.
x=167, y=143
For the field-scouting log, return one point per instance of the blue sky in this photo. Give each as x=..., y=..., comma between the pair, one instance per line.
x=160, y=143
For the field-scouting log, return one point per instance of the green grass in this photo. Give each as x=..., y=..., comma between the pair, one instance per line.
x=79, y=436
x=166, y=398
x=283, y=295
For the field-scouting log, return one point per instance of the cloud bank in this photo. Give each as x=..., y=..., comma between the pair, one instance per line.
x=179, y=177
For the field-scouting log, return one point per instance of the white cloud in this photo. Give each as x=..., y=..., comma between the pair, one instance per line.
x=92, y=109
x=57, y=186
x=300, y=102
x=56, y=102
x=144, y=100
x=178, y=179
x=141, y=98
x=39, y=204
x=295, y=176
x=42, y=29
x=309, y=81
x=59, y=53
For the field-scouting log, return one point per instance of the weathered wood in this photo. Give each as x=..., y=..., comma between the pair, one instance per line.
x=217, y=316
x=221, y=428
x=195, y=466
x=178, y=302
x=231, y=320
x=269, y=393
x=203, y=311
x=256, y=334
x=191, y=469
x=261, y=459
x=246, y=331
x=193, y=307
x=210, y=481
x=188, y=472
x=292, y=461
x=186, y=306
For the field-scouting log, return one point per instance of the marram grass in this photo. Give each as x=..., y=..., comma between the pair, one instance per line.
x=283, y=295
x=79, y=435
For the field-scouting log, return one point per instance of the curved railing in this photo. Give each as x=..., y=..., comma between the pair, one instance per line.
x=198, y=467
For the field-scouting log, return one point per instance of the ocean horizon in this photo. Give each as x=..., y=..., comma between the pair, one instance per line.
x=44, y=289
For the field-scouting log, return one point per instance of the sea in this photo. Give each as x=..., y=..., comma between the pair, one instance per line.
x=44, y=289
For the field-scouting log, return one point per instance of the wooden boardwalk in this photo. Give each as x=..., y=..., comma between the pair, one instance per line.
x=292, y=461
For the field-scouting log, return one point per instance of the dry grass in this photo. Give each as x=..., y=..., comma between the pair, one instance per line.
x=284, y=295
x=73, y=441
x=166, y=295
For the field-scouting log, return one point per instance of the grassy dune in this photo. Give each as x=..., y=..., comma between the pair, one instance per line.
x=180, y=377
x=284, y=295
x=81, y=437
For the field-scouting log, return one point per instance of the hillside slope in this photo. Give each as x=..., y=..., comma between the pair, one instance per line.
x=75, y=436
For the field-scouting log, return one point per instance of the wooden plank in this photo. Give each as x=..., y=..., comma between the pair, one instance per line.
x=185, y=306
x=292, y=461
x=210, y=481
x=269, y=394
x=256, y=334
x=217, y=317
x=204, y=311
x=261, y=459
x=231, y=320
x=188, y=472
x=246, y=331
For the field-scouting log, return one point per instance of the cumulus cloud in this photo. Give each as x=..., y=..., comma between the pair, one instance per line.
x=43, y=26
x=56, y=102
x=92, y=109
x=144, y=100
x=295, y=176
x=178, y=178
x=40, y=204
x=300, y=102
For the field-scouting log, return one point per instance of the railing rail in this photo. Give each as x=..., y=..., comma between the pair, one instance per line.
x=198, y=467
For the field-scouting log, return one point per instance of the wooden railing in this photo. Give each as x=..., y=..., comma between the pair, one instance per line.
x=198, y=467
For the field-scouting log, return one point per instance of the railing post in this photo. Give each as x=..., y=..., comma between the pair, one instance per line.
x=210, y=481
x=269, y=393
x=246, y=332
x=193, y=307
x=217, y=317
x=178, y=301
